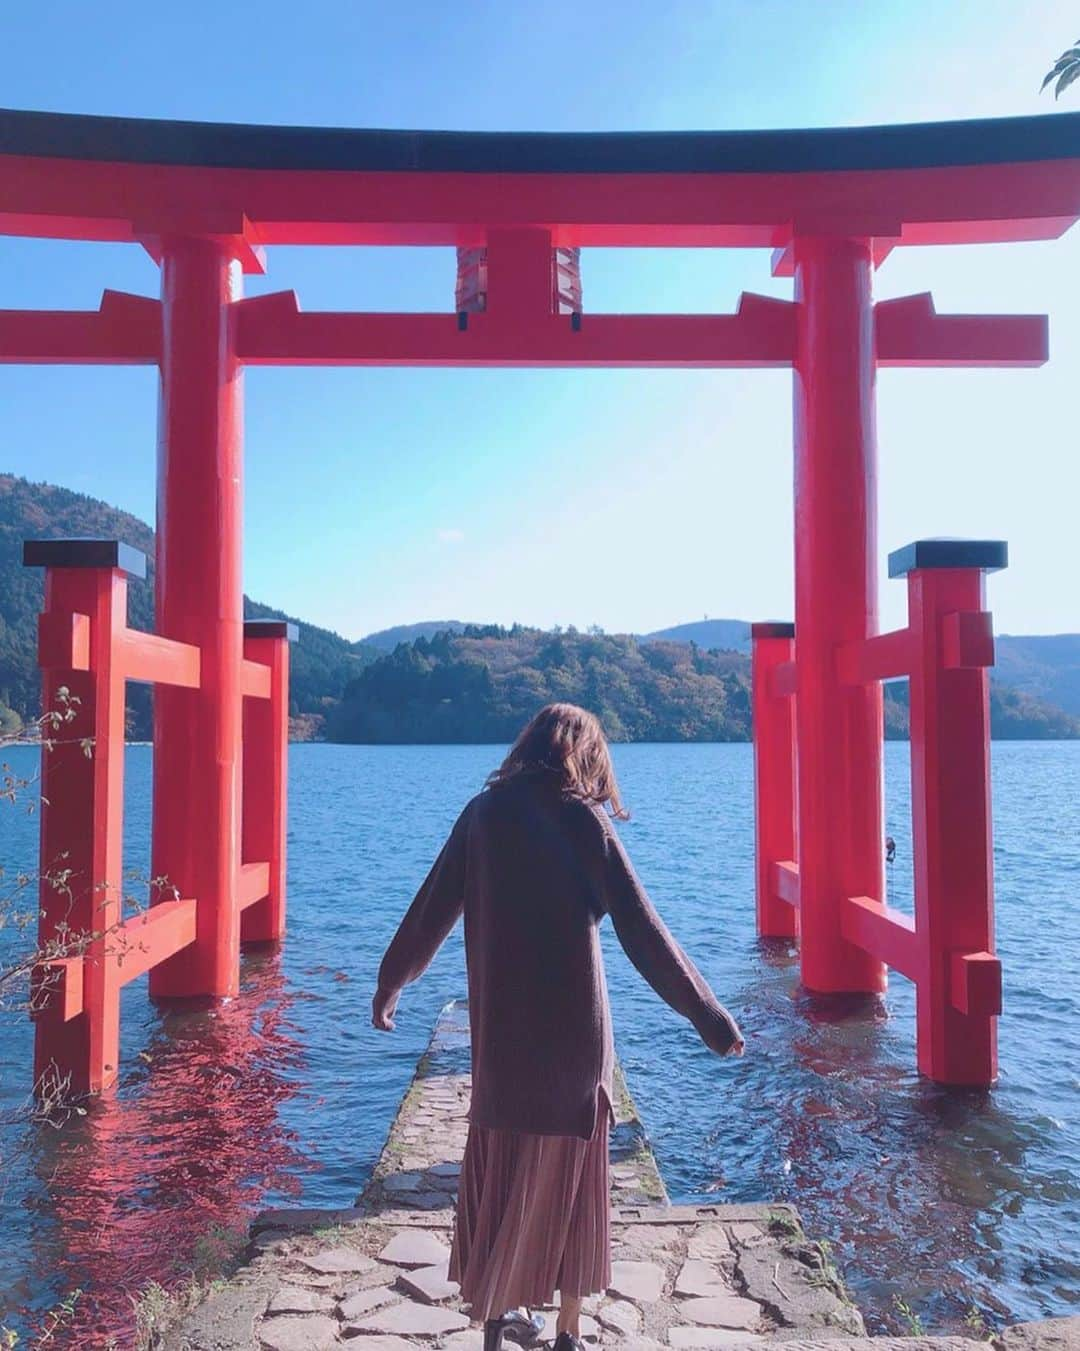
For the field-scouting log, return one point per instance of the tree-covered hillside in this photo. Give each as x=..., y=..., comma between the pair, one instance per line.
x=733, y=635
x=322, y=662
x=1046, y=666
x=387, y=639
x=1015, y=715
x=481, y=685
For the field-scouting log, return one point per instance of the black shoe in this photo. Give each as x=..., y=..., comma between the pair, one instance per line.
x=517, y=1327
x=566, y=1341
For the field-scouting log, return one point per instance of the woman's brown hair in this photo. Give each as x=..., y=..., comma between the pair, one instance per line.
x=568, y=741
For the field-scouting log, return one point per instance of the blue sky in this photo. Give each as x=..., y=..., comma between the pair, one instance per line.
x=628, y=499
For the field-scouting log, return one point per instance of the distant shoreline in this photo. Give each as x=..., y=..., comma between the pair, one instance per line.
x=732, y=741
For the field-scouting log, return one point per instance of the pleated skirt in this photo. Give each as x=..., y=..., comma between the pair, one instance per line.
x=533, y=1217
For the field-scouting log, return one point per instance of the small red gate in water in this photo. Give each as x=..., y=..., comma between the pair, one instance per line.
x=947, y=949
x=88, y=654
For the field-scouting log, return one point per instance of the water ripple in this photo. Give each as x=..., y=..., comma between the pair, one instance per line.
x=950, y=1199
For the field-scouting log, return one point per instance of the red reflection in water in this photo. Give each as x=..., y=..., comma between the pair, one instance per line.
x=147, y=1186
x=906, y=1177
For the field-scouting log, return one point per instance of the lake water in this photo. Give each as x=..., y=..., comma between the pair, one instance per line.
x=948, y=1200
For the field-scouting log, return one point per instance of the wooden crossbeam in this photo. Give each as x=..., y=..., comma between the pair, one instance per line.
x=255, y=680
x=159, y=661
x=123, y=330
x=968, y=639
x=64, y=640
x=886, y=933
x=132, y=949
x=975, y=983
x=785, y=880
x=254, y=883
x=910, y=332
x=273, y=331
x=883, y=657
x=150, y=937
x=61, y=987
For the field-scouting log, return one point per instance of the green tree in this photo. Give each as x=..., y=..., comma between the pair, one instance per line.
x=1064, y=71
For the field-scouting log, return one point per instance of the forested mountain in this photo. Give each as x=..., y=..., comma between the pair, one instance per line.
x=1046, y=666
x=731, y=635
x=387, y=639
x=1015, y=715
x=482, y=684
x=421, y=682
x=322, y=662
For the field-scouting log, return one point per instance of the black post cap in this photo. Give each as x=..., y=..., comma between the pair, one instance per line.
x=272, y=628
x=988, y=555
x=782, y=630
x=84, y=553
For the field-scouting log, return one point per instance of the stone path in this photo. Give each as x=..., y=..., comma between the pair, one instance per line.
x=375, y=1274
x=420, y=1162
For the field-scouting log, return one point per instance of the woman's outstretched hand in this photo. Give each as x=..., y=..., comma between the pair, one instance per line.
x=383, y=1007
x=720, y=1033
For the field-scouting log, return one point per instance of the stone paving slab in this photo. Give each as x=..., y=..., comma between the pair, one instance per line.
x=1050, y=1334
x=409, y=1317
x=641, y=1282
x=418, y=1249
x=701, y=1277
x=310, y=1332
x=374, y=1275
x=865, y=1344
x=695, y=1336
x=298, y=1299
x=338, y=1261
x=722, y=1311
x=431, y=1284
x=363, y=1302
x=620, y=1316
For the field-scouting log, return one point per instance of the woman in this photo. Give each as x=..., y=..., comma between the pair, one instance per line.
x=535, y=864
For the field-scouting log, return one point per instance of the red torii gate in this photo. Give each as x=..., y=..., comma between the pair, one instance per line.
x=206, y=200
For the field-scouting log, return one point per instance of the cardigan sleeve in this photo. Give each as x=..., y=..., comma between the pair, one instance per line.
x=654, y=951
x=429, y=919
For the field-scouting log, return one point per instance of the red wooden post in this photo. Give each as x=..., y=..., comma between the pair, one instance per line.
x=266, y=748
x=839, y=727
x=82, y=786
x=959, y=990
x=519, y=276
x=774, y=773
x=196, y=832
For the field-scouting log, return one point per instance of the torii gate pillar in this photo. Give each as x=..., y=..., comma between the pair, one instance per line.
x=197, y=733
x=839, y=728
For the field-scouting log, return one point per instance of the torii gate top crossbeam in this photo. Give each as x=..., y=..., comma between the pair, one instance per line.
x=67, y=176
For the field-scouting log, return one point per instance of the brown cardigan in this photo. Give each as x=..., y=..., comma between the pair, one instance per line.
x=535, y=871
